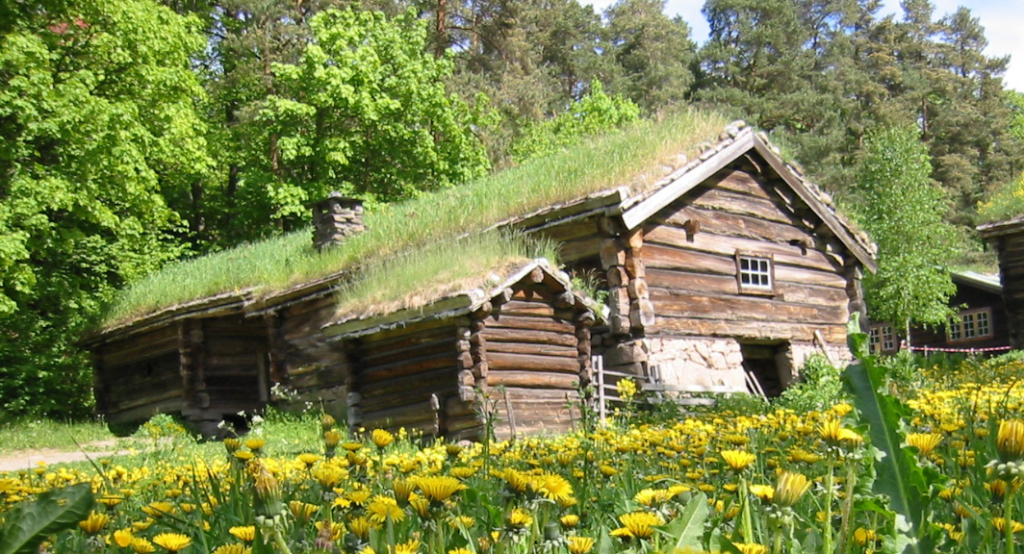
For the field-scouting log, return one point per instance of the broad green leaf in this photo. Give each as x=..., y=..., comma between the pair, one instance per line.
x=687, y=529
x=899, y=475
x=53, y=511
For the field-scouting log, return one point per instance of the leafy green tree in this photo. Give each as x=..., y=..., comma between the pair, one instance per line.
x=903, y=212
x=363, y=111
x=594, y=113
x=98, y=122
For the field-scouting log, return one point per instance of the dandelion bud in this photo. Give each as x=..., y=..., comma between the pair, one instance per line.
x=266, y=490
x=327, y=422
x=1010, y=440
x=790, y=488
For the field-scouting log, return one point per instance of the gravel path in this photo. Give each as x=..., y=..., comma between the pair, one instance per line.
x=29, y=459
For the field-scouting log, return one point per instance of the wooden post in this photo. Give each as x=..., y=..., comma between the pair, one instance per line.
x=599, y=369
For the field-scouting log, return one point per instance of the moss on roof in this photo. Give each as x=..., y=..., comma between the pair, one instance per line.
x=623, y=158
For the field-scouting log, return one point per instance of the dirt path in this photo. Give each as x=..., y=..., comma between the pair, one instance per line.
x=29, y=459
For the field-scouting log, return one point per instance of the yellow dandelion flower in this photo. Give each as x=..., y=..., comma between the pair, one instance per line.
x=834, y=433
x=157, y=509
x=232, y=444
x=463, y=472
x=245, y=533
x=382, y=438
x=359, y=497
x=439, y=488
x=750, y=548
x=552, y=486
x=608, y=471
x=520, y=518
x=1000, y=524
x=406, y=547
x=143, y=525
x=924, y=442
x=421, y=505
x=842, y=409
x=579, y=545
x=360, y=527
x=95, y=523
x=308, y=459
x=569, y=520
x=142, y=546
x=789, y=489
x=463, y=521
x=333, y=530
x=384, y=507
x=652, y=497
x=738, y=460
x=764, y=492
x=638, y=525
x=123, y=537
x=332, y=438
x=301, y=510
x=255, y=444
x=864, y=536
x=172, y=542
x=460, y=551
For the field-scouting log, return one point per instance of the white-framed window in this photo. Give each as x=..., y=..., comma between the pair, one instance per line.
x=755, y=273
x=970, y=325
x=882, y=338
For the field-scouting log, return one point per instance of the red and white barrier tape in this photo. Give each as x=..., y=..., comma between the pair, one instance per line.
x=969, y=350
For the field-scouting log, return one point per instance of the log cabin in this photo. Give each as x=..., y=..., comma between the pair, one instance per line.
x=1007, y=239
x=979, y=327
x=722, y=267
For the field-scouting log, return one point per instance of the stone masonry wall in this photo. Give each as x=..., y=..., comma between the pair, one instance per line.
x=718, y=362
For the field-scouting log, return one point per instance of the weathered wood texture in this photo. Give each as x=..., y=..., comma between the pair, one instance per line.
x=310, y=363
x=395, y=377
x=689, y=253
x=137, y=376
x=533, y=346
x=1010, y=248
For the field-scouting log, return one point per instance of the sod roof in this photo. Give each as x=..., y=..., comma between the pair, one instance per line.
x=627, y=170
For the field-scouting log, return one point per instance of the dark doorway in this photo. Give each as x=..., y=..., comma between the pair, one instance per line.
x=768, y=364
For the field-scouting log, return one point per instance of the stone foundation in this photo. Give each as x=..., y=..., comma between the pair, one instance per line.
x=718, y=362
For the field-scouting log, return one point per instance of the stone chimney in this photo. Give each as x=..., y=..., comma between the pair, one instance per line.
x=336, y=218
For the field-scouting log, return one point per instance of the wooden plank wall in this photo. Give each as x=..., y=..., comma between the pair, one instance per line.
x=689, y=252
x=1011, y=266
x=234, y=354
x=538, y=348
x=400, y=372
x=300, y=356
x=138, y=376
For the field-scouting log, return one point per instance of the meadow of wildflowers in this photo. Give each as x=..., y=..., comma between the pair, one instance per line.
x=713, y=481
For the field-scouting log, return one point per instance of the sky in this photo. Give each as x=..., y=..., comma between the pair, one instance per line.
x=1003, y=21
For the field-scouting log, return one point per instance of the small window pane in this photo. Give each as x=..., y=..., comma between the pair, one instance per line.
x=755, y=273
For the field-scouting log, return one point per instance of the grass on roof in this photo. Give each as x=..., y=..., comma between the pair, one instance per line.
x=415, y=279
x=617, y=159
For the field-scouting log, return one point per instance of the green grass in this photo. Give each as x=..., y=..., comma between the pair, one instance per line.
x=33, y=434
x=273, y=265
x=417, y=278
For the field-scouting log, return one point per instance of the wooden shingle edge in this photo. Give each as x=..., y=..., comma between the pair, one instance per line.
x=211, y=306
x=991, y=231
x=452, y=305
x=842, y=229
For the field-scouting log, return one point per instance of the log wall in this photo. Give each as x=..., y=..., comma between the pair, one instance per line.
x=138, y=376
x=407, y=377
x=234, y=368
x=302, y=360
x=536, y=345
x=689, y=252
x=967, y=298
x=1010, y=249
